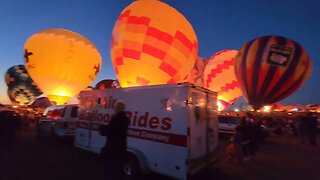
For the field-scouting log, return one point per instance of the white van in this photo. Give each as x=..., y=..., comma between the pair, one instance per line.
x=173, y=127
x=58, y=121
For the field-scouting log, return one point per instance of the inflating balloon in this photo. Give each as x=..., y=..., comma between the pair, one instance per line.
x=152, y=43
x=271, y=68
x=21, y=88
x=61, y=62
x=196, y=74
x=219, y=76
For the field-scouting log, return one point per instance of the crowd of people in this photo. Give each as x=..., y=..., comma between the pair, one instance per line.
x=253, y=129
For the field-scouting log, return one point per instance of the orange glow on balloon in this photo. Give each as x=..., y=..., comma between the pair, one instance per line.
x=152, y=43
x=61, y=62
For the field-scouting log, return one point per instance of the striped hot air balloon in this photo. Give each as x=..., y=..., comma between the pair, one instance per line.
x=270, y=68
x=152, y=43
x=219, y=76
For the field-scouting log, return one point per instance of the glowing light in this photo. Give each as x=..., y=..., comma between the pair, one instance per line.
x=236, y=110
x=266, y=109
x=220, y=105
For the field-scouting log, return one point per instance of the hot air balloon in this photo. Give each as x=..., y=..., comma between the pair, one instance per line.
x=152, y=43
x=21, y=88
x=12, y=98
x=270, y=68
x=219, y=76
x=61, y=62
x=196, y=74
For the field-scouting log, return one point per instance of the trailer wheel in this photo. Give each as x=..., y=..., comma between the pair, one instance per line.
x=132, y=168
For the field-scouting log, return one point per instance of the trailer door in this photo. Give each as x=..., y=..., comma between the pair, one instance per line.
x=197, y=130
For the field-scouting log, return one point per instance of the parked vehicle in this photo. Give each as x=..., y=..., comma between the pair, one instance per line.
x=58, y=121
x=173, y=128
x=227, y=123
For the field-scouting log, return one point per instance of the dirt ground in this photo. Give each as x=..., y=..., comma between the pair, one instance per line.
x=281, y=157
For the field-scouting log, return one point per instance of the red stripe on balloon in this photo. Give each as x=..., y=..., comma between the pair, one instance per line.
x=138, y=20
x=184, y=40
x=119, y=61
x=219, y=68
x=220, y=52
x=276, y=78
x=131, y=53
x=160, y=35
x=153, y=51
x=168, y=69
x=171, y=81
x=232, y=100
x=123, y=15
x=229, y=86
x=142, y=81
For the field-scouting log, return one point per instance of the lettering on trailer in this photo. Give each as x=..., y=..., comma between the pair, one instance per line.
x=137, y=119
x=156, y=136
x=161, y=137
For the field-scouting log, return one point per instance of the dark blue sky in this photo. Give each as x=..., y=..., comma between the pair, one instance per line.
x=219, y=25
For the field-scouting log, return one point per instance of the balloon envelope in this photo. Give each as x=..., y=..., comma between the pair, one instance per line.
x=271, y=68
x=152, y=43
x=21, y=88
x=219, y=76
x=61, y=62
x=196, y=74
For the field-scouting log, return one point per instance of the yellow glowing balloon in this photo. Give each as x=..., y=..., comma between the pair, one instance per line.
x=61, y=62
x=152, y=43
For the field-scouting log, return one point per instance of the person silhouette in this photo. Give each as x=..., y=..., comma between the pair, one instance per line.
x=114, y=151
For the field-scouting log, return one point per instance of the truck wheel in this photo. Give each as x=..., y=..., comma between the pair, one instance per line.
x=132, y=168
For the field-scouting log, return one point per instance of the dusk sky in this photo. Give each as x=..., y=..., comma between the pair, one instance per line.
x=218, y=24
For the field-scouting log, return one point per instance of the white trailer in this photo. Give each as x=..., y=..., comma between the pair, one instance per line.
x=173, y=128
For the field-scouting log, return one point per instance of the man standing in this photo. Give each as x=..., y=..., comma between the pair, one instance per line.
x=115, y=148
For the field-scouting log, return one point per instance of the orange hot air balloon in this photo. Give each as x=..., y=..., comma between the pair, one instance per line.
x=219, y=76
x=61, y=62
x=271, y=68
x=152, y=43
x=196, y=74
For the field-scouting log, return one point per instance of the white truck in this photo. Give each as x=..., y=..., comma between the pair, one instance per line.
x=58, y=121
x=173, y=128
